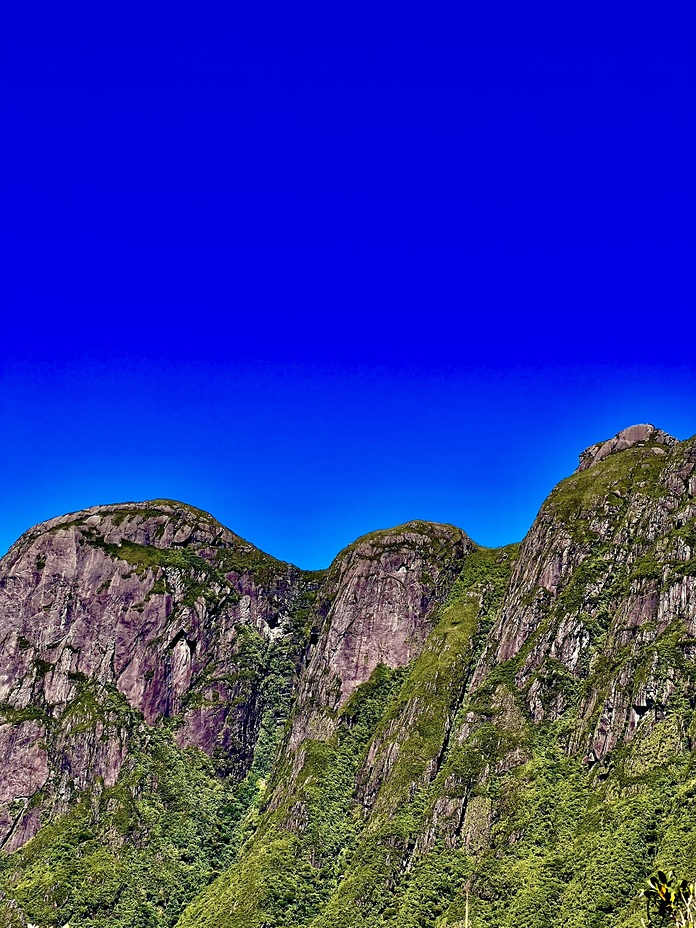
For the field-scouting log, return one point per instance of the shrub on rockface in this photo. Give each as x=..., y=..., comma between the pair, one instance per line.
x=670, y=901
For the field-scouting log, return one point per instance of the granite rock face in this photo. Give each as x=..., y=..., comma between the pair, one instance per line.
x=627, y=438
x=606, y=567
x=598, y=623
x=375, y=606
x=402, y=710
x=151, y=607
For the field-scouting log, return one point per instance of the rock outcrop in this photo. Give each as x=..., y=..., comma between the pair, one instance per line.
x=375, y=606
x=605, y=567
x=627, y=438
x=155, y=603
x=424, y=723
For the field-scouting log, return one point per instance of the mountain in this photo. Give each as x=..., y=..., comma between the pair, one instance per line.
x=196, y=734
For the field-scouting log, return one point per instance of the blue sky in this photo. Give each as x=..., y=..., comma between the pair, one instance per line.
x=321, y=271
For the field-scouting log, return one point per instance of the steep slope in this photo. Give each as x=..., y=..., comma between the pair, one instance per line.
x=572, y=753
x=225, y=741
x=536, y=754
x=137, y=640
x=377, y=606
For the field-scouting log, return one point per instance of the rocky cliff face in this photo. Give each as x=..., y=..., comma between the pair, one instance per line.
x=362, y=747
x=154, y=608
x=594, y=640
x=375, y=607
x=604, y=572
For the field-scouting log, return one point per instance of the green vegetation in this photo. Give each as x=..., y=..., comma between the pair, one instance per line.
x=315, y=858
x=606, y=488
x=132, y=854
x=294, y=858
x=201, y=575
x=541, y=791
x=670, y=901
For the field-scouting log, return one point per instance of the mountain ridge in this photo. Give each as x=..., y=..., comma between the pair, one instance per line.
x=357, y=745
x=624, y=439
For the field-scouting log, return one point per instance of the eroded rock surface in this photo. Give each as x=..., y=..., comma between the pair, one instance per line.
x=604, y=571
x=627, y=438
x=377, y=604
x=154, y=604
x=452, y=712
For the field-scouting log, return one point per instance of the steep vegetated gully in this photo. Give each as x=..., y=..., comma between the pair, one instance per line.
x=196, y=734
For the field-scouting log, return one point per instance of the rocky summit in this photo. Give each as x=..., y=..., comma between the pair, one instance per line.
x=427, y=734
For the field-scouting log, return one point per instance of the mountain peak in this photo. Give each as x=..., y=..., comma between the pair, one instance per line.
x=640, y=434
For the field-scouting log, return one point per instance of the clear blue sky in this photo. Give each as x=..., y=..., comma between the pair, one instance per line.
x=324, y=270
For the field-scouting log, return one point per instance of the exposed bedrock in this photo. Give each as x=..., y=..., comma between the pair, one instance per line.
x=604, y=572
x=153, y=607
x=376, y=606
x=423, y=705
